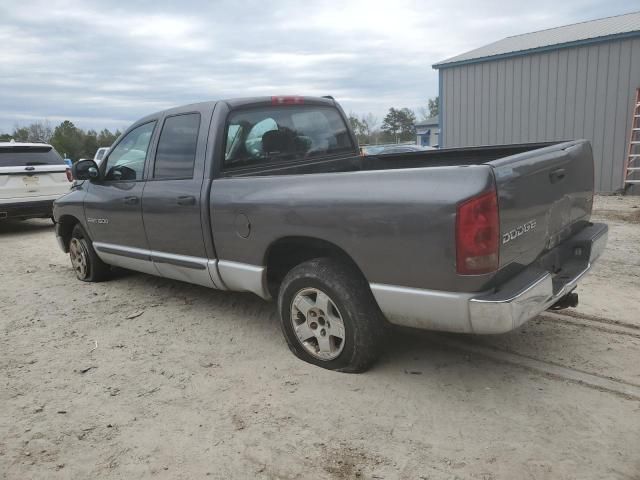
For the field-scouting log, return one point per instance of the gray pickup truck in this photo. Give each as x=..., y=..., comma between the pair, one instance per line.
x=270, y=196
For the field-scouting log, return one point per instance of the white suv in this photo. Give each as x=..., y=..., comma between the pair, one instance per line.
x=100, y=154
x=32, y=176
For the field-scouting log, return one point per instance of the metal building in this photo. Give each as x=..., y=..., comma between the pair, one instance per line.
x=576, y=81
x=428, y=132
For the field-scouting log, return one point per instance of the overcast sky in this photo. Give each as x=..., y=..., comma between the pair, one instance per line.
x=107, y=63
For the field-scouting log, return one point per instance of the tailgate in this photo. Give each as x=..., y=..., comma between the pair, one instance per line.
x=33, y=181
x=31, y=170
x=544, y=196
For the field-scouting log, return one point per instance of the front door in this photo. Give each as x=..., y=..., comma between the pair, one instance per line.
x=173, y=197
x=113, y=205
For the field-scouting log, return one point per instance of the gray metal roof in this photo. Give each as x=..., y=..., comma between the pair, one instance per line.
x=429, y=122
x=593, y=30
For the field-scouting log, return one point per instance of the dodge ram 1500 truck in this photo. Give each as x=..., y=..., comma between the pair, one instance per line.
x=270, y=196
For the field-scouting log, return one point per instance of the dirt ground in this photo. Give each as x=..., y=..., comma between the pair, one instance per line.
x=142, y=377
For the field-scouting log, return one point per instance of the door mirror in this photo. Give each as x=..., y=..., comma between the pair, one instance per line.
x=85, y=170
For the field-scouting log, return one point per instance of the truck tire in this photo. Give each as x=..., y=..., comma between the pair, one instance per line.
x=85, y=262
x=329, y=316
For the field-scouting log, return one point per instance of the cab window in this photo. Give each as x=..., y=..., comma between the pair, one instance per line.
x=284, y=133
x=176, y=152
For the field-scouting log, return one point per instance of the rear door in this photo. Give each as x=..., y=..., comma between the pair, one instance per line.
x=28, y=171
x=544, y=196
x=173, y=198
x=113, y=206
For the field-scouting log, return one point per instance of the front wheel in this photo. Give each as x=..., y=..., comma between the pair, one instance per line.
x=85, y=262
x=329, y=316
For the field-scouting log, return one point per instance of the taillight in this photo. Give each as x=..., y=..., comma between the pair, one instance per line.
x=478, y=235
x=69, y=175
x=287, y=100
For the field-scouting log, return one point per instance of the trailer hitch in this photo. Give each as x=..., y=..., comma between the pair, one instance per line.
x=570, y=300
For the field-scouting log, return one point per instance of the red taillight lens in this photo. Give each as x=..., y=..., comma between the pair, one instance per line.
x=287, y=100
x=477, y=235
x=69, y=175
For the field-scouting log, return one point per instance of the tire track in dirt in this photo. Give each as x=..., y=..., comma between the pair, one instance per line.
x=595, y=318
x=603, y=325
x=595, y=381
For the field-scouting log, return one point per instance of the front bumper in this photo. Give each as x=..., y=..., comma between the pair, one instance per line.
x=500, y=310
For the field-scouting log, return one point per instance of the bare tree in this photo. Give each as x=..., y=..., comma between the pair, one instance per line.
x=423, y=112
x=39, y=132
x=371, y=121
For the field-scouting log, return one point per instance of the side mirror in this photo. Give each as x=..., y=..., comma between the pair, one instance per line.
x=85, y=170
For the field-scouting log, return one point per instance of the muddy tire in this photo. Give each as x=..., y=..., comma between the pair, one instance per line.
x=329, y=316
x=84, y=260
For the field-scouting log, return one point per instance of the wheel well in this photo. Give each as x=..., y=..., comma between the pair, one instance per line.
x=288, y=252
x=66, y=222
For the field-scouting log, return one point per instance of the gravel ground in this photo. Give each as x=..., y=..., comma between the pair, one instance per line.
x=142, y=377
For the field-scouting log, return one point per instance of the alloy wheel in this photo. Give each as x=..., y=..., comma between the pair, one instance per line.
x=318, y=324
x=79, y=258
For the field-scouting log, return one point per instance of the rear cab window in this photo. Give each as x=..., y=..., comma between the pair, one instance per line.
x=25, y=156
x=276, y=134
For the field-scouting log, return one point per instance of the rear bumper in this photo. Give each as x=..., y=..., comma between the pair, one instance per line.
x=529, y=293
x=26, y=209
x=535, y=290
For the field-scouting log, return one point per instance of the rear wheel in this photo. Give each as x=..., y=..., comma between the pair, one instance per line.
x=329, y=316
x=84, y=260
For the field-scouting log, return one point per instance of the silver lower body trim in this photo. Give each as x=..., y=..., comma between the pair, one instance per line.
x=132, y=258
x=425, y=309
x=212, y=266
x=184, y=268
x=243, y=277
x=197, y=270
x=213, y=273
x=523, y=297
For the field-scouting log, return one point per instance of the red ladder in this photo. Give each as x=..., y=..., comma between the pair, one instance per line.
x=632, y=163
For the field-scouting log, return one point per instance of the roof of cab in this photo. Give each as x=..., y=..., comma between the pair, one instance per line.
x=240, y=103
x=302, y=100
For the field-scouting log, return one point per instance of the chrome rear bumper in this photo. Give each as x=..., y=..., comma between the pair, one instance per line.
x=535, y=290
x=529, y=293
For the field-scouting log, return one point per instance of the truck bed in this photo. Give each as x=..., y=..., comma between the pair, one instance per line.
x=429, y=158
x=406, y=204
x=448, y=157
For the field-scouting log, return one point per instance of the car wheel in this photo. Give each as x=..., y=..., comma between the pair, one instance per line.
x=329, y=316
x=85, y=262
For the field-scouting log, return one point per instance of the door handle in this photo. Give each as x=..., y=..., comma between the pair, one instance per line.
x=186, y=200
x=557, y=175
x=131, y=200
